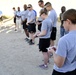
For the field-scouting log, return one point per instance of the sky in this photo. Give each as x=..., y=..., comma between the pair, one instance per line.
x=7, y=5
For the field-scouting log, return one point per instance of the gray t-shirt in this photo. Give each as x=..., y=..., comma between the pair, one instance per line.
x=67, y=49
x=15, y=13
x=31, y=16
x=18, y=13
x=53, y=16
x=24, y=14
x=46, y=25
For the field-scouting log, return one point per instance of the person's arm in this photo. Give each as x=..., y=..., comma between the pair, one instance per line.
x=60, y=54
x=43, y=29
x=42, y=33
x=58, y=60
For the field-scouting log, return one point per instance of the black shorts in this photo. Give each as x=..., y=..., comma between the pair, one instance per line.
x=14, y=19
x=43, y=44
x=53, y=33
x=39, y=27
x=24, y=25
x=67, y=73
x=32, y=28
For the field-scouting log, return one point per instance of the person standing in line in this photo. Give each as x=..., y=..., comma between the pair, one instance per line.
x=31, y=20
x=24, y=21
x=62, y=30
x=18, y=19
x=39, y=21
x=65, y=55
x=53, y=16
x=44, y=37
x=15, y=18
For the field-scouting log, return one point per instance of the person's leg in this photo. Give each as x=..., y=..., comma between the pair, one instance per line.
x=31, y=42
x=46, y=58
x=52, y=42
x=17, y=25
x=33, y=30
x=20, y=25
x=53, y=36
x=26, y=32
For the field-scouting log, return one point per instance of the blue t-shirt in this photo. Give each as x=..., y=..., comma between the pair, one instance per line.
x=53, y=16
x=67, y=49
x=24, y=14
x=18, y=14
x=46, y=25
x=31, y=16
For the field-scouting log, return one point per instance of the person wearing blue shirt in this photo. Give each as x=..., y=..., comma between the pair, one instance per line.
x=39, y=22
x=31, y=20
x=44, y=37
x=18, y=19
x=65, y=55
x=24, y=14
x=53, y=16
x=14, y=17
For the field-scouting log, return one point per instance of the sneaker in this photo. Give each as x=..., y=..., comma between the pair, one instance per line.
x=43, y=66
x=31, y=43
x=48, y=61
x=26, y=39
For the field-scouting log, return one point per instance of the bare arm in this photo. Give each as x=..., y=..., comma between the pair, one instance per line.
x=42, y=33
x=58, y=60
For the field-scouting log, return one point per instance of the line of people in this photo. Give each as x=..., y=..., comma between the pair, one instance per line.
x=47, y=35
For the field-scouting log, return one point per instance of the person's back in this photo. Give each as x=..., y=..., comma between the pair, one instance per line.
x=68, y=43
x=53, y=16
x=65, y=55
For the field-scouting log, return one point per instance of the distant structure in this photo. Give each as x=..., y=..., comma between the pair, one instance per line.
x=1, y=15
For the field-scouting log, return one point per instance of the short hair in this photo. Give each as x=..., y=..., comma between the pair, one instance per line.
x=29, y=5
x=71, y=15
x=41, y=1
x=48, y=4
x=13, y=8
x=25, y=6
x=43, y=11
x=63, y=7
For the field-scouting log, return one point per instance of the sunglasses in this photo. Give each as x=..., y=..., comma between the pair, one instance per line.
x=29, y=7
